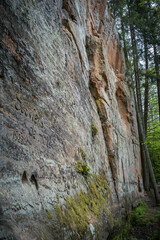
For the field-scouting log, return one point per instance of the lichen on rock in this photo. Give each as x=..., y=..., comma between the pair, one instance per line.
x=86, y=207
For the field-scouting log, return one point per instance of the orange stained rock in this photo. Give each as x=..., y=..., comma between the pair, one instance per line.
x=11, y=45
x=123, y=106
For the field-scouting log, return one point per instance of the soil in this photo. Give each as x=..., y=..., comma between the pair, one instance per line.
x=145, y=232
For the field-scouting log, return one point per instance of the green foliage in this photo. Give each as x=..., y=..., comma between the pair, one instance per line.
x=94, y=130
x=136, y=217
x=83, y=169
x=158, y=216
x=124, y=232
x=139, y=215
x=155, y=235
x=153, y=132
x=155, y=4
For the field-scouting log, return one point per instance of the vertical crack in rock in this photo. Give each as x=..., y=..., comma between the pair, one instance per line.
x=68, y=21
x=67, y=25
x=98, y=83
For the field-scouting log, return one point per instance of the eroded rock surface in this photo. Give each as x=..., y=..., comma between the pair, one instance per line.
x=64, y=101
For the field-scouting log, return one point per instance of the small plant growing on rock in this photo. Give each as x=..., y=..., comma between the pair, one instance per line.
x=82, y=153
x=83, y=169
x=94, y=130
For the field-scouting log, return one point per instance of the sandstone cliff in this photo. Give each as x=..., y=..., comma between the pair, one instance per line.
x=70, y=161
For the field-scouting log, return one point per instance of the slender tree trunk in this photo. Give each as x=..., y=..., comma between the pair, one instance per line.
x=145, y=169
x=146, y=173
x=146, y=92
x=136, y=69
x=157, y=75
x=151, y=173
x=124, y=41
x=145, y=149
x=139, y=99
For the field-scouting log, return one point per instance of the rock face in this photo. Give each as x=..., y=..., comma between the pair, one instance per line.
x=69, y=145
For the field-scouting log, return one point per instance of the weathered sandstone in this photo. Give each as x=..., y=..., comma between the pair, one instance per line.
x=64, y=103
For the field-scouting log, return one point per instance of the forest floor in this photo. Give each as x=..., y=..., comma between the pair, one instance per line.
x=147, y=224
x=143, y=223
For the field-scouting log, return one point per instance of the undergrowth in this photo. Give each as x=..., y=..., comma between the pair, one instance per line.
x=141, y=219
x=139, y=215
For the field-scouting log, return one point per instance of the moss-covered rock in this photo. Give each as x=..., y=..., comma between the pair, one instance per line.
x=83, y=154
x=83, y=169
x=86, y=207
x=94, y=130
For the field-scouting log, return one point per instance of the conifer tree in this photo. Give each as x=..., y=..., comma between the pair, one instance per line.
x=138, y=23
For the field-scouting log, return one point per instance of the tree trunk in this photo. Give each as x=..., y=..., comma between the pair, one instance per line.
x=139, y=101
x=145, y=149
x=124, y=41
x=146, y=180
x=146, y=92
x=146, y=95
x=153, y=180
x=157, y=75
x=136, y=70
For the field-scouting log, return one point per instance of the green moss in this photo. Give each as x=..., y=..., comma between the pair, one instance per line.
x=83, y=154
x=49, y=214
x=85, y=205
x=94, y=130
x=59, y=213
x=57, y=197
x=83, y=169
x=34, y=2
